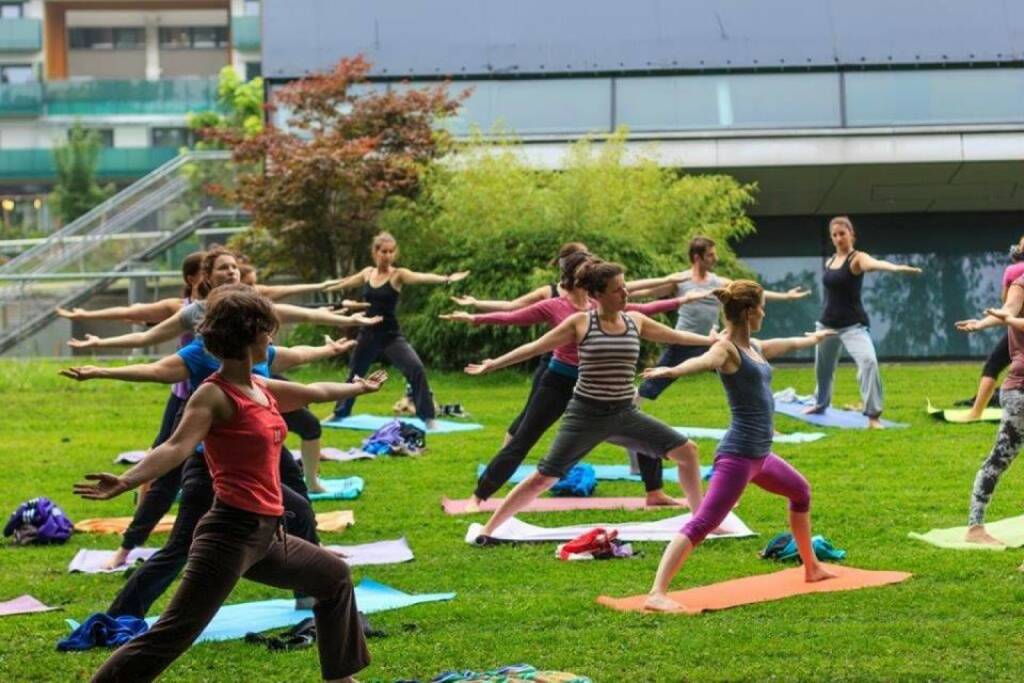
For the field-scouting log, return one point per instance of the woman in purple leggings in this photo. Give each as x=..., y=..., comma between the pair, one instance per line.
x=744, y=454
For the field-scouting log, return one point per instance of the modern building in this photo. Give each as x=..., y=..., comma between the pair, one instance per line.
x=908, y=116
x=130, y=69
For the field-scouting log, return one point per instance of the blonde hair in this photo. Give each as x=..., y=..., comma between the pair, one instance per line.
x=381, y=238
x=738, y=297
x=845, y=222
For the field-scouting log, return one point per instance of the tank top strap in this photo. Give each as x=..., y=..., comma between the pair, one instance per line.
x=630, y=323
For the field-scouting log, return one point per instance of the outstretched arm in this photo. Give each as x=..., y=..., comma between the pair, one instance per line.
x=349, y=282
x=771, y=348
x=165, y=331
x=789, y=295
x=151, y=313
x=713, y=359
x=278, y=292
x=411, y=277
x=288, y=313
x=995, y=316
x=167, y=370
x=654, y=331
x=565, y=333
x=286, y=357
x=292, y=395
x=867, y=263
x=493, y=305
x=206, y=405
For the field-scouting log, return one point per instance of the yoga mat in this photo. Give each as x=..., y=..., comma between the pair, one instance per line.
x=557, y=504
x=130, y=457
x=25, y=604
x=349, y=488
x=1010, y=531
x=959, y=415
x=660, y=530
x=118, y=525
x=330, y=454
x=761, y=588
x=339, y=520
x=371, y=423
x=832, y=417
x=92, y=561
x=603, y=473
x=718, y=434
x=379, y=552
x=234, y=621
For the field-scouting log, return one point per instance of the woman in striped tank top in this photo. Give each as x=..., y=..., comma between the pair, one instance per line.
x=602, y=407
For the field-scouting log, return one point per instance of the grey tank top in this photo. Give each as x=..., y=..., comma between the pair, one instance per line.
x=749, y=391
x=701, y=315
x=608, y=362
x=191, y=315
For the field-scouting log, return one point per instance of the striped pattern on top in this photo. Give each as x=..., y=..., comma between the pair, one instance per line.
x=608, y=361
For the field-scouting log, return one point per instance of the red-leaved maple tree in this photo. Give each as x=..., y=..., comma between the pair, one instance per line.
x=315, y=189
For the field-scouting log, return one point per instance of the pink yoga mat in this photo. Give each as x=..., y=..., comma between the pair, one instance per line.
x=554, y=504
x=26, y=604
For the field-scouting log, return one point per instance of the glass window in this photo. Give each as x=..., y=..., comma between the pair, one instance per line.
x=204, y=36
x=17, y=73
x=885, y=98
x=11, y=11
x=105, y=136
x=175, y=38
x=170, y=137
x=129, y=38
x=730, y=101
x=251, y=8
x=253, y=70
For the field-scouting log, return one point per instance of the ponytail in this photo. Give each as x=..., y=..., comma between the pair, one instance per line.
x=738, y=297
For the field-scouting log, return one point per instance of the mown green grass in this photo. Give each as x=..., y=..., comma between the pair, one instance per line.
x=958, y=618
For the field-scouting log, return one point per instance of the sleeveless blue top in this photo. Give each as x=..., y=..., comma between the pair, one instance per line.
x=749, y=391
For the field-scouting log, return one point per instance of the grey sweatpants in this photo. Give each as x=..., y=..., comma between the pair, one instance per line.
x=1006, y=448
x=857, y=342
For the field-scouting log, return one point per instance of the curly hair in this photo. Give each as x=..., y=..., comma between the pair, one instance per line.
x=235, y=317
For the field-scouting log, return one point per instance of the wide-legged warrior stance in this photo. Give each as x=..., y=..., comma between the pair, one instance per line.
x=1010, y=436
x=744, y=455
x=382, y=283
x=547, y=402
x=999, y=358
x=237, y=418
x=844, y=312
x=601, y=408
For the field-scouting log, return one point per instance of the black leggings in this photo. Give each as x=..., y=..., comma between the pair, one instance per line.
x=998, y=359
x=393, y=346
x=542, y=367
x=150, y=580
x=303, y=423
x=546, y=405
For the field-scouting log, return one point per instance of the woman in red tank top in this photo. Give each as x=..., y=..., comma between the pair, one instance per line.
x=238, y=419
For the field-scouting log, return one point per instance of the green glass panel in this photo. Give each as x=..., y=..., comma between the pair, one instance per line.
x=21, y=99
x=21, y=35
x=171, y=96
x=37, y=164
x=245, y=32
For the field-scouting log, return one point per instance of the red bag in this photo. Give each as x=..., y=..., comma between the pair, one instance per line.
x=597, y=542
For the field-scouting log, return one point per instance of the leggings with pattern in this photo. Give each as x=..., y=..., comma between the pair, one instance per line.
x=1007, y=446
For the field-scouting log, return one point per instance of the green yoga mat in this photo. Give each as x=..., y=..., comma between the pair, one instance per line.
x=1010, y=531
x=959, y=415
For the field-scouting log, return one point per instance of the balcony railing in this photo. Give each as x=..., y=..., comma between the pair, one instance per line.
x=245, y=33
x=21, y=35
x=106, y=97
x=38, y=164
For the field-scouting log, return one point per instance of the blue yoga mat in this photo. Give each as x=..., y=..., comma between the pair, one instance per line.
x=712, y=433
x=348, y=488
x=371, y=423
x=832, y=417
x=603, y=472
x=234, y=621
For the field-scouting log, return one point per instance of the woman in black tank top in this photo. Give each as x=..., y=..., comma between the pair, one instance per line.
x=844, y=312
x=381, y=285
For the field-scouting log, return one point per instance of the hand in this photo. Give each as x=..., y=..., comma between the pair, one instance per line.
x=797, y=293
x=71, y=314
x=361, y=320
x=480, y=368
x=89, y=341
x=695, y=295
x=106, y=486
x=81, y=373
x=997, y=313
x=658, y=373
x=339, y=346
x=911, y=270
x=455, y=277
x=715, y=336
x=354, y=305
x=373, y=382
x=464, y=300
x=457, y=317
x=971, y=325
x=821, y=334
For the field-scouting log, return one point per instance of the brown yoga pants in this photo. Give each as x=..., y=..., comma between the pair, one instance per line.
x=228, y=544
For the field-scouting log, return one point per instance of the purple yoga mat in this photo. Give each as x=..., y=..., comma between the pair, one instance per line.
x=380, y=552
x=92, y=561
x=555, y=504
x=26, y=604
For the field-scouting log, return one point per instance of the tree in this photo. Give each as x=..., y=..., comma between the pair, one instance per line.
x=76, y=190
x=316, y=189
x=239, y=109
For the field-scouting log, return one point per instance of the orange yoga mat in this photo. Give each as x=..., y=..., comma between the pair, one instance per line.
x=555, y=504
x=338, y=520
x=761, y=588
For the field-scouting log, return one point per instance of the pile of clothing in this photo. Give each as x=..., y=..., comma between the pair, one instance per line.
x=396, y=438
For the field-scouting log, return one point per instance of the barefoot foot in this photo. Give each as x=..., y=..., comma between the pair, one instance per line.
x=659, y=497
x=660, y=602
x=977, y=534
x=813, y=410
x=315, y=486
x=875, y=423
x=817, y=573
x=473, y=505
x=119, y=558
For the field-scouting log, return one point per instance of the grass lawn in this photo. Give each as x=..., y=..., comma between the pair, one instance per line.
x=958, y=618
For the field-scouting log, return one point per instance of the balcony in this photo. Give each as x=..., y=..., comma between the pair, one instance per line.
x=108, y=97
x=245, y=32
x=21, y=99
x=21, y=35
x=115, y=163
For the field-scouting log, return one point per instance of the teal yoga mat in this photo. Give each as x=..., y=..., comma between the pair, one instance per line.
x=348, y=488
x=712, y=433
x=1010, y=531
x=234, y=621
x=603, y=472
x=371, y=423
